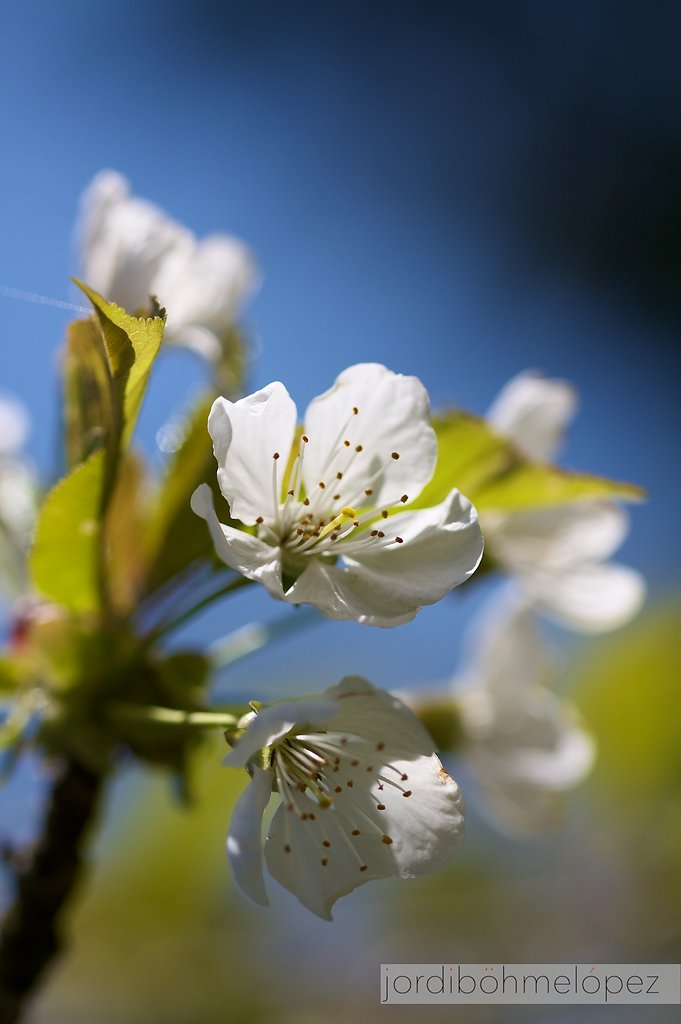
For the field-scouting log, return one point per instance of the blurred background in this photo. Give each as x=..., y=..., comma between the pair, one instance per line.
x=460, y=191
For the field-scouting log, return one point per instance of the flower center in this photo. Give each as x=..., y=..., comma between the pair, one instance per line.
x=314, y=770
x=339, y=506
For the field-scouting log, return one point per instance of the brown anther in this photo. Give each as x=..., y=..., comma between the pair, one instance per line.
x=322, y=484
x=368, y=492
x=355, y=831
x=338, y=789
x=303, y=817
x=324, y=862
x=354, y=762
x=326, y=843
x=404, y=776
x=398, y=540
x=355, y=410
x=370, y=767
x=407, y=792
x=381, y=534
x=291, y=494
x=334, y=536
x=404, y=499
x=394, y=455
x=287, y=849
x=355, y=522
x=306, y=501
x=358, y=448
x=311, y=817
x=380, y=746
x=350, y=783
x=275, y=456
x=305, y=438
x=387, y=840
x=260, y=520
x=374, y=533
x=364, y=867
x=384, y=513
x=336, y=497
x=339, y=476
x=380, y=807
x=346, y=443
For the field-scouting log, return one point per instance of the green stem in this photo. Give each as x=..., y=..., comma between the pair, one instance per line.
x=189, y=613
x=154, y=715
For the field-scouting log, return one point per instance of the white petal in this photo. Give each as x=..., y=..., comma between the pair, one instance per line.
x=246, y=435
x=558, y=537
x=534, y=412
x=244, y=840
x=126, y=242
x=589, y=598
x=341, y=594
x=528, y=757
x=504, y=650
x=239, y=550
x=397, y=813
x=14, y=425
x=275, y=721
x=210, y=288
x=393, y=417
x=385, y=583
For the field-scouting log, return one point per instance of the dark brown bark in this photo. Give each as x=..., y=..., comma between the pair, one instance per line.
x=31, y=936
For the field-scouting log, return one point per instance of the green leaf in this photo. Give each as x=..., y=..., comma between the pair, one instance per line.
x=11, y=675
x=65, y=562
x=177, y=537
x=132, y=343
x=124, y=535
x=92, y=417
x=489, y=470
x=533, y=485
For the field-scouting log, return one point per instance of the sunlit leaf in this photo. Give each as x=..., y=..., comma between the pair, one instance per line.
x=65, y=562
x=124, y=535
x=132, y=343
x=494, y=475
x=92, y=417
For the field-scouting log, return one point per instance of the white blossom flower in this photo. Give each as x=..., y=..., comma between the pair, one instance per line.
x=363, y=796
x=130, y=249
x=558, y=554
x=524, y=744
x=17, y=498
x=331, y=528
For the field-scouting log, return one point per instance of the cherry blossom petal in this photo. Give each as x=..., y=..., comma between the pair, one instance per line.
x=392, y=419
x=239, y=550
x=557, y=537
x=246, y=436
x=590, y=598
x=534, y=412
x=244, y=840
x=395, y=809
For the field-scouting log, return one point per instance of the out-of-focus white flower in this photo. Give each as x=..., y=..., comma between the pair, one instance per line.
x=329, y=518
x=363, y=796
x=17, y=498
x=130, y=249
x=559, y=554
x=524, y=745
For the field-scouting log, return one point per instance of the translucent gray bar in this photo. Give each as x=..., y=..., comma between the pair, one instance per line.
x=533, y=984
